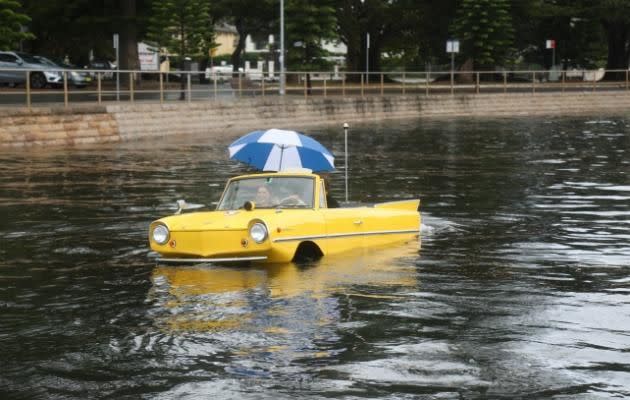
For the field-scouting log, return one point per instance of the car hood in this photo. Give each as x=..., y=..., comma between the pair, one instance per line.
x=215, y=220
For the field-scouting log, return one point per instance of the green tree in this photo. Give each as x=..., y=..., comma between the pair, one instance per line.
x=485, y=31
x=309, y=24
x=183, y=27
x=389, y=23
x=12, y=22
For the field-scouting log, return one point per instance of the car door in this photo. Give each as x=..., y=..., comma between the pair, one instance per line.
x=11, y=61
x=344, y=226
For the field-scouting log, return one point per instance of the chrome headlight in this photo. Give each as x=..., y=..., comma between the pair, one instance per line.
x=258, y=232
x=160, y=234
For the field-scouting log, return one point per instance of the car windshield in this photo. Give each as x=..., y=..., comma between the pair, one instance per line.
x=269, y=192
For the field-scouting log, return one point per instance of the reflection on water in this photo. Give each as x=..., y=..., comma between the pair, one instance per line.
x=277, y=296
x=520, y=290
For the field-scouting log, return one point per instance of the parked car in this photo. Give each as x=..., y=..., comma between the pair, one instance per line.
x=14, y=65
x=79, y=79
x=104, y=66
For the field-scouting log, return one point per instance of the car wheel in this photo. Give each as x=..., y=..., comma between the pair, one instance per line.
x=38, y=80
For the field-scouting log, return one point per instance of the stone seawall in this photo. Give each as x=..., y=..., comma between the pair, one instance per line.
x=81, y=124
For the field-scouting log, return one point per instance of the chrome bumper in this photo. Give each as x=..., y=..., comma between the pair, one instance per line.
x=209, y=260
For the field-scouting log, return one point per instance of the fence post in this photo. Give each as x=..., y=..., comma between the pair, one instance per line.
x=28, y=89
x=131, y=79
x=361, y=85
x=382, y=84
x=325, y=92
x=504, y=82
x=189, y=88
x=533, y=82
x=65, y=89
x=161, y=88
x=99, y=88
x=477, y=88
x=343, y=86
x=403, y=85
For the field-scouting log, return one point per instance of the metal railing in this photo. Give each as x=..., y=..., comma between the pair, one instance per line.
x=20, y=88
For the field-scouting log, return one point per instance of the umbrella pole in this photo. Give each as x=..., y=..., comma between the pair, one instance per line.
x=345, y=138
x=281, y=153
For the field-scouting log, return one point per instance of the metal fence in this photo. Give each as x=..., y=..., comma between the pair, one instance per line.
x=107, y=86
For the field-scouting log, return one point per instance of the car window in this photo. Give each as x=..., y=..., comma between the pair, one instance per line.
x=29, y=58
x=279, y=192
x=8, y=58
x=322, y=195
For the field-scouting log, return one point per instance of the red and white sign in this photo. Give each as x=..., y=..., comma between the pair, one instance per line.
x=551, y=44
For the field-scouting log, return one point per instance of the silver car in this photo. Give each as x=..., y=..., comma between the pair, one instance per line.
x=13, y=67
x=77, y=78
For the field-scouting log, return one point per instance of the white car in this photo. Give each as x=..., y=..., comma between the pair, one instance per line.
x=14, y=65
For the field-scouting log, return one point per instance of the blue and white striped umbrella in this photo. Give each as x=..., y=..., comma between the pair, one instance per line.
x=277, y=150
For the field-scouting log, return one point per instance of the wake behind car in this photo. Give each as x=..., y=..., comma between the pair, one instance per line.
x=279, y=217
x=14, y=67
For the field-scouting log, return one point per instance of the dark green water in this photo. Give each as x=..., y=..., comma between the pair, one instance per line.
x=521, y=288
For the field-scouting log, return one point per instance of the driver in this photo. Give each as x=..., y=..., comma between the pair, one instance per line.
x=264, y=197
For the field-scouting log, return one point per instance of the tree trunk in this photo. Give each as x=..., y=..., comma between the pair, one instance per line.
x=617, y=37
x=129, y=37
x=240, y=46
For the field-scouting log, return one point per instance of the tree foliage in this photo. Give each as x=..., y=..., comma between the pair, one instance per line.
x=485, y=31
x=183, y=27
x=309, y=24
x=12, y=21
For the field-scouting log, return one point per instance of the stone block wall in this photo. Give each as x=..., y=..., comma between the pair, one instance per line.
x=126, y=121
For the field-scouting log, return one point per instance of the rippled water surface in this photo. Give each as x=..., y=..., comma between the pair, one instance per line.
x=521, y=287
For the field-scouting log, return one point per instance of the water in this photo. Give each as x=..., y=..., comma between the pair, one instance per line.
x=521, y=287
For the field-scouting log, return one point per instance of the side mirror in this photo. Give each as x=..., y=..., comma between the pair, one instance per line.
x=19, y=62
x=249, y=206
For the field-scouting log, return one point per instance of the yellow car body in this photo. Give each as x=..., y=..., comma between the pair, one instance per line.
x=236, y=230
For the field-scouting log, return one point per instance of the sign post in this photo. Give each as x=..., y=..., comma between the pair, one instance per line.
x=452, y=46
x=116, y=46
x=551, y=44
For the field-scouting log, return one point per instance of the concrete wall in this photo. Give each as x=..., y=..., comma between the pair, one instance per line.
x=100, y=124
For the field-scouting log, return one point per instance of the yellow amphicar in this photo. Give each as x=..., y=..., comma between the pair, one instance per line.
x=280, y=217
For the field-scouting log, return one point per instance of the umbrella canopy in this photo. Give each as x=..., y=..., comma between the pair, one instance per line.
x=277, y=150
